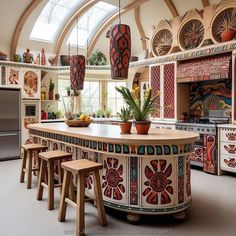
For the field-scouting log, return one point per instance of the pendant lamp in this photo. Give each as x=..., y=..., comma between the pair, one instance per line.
x=77, y=69
x=77, y=72
x=120, y=50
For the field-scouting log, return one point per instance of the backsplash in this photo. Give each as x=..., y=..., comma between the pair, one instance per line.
x=211, y=95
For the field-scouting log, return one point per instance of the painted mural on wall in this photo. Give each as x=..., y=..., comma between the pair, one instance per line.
x=31, y=80
x=13, y=76
x=213, y=95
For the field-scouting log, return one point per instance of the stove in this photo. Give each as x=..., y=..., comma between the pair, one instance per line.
x=205, y=149
x=203, y=125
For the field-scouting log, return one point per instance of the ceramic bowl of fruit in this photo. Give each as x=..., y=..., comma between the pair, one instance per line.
x=81, y=121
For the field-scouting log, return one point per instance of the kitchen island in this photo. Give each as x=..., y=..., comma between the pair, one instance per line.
x=142, y=174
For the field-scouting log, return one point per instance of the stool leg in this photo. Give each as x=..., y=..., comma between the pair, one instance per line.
x=80, y=205
x=39, y=164
x=64, y=194
x=72, y=190
x=43, y=168
x=51, y=185
x=99, y=199
x=60, y=172
x=29, y=173
x=23, y=165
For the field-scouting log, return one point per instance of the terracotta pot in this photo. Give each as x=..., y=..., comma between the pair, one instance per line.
x=51, y=95
x=142, y=127
x=227, y=35
x=125, y=127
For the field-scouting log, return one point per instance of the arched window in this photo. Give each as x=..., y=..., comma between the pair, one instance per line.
x=88, y=23
x=52, y=17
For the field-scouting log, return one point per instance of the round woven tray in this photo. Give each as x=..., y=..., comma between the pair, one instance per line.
x=78, y=123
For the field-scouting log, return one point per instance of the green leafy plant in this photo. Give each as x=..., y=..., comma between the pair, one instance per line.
x=108, y=112
x=100, y=113
x=51, y=85
x=67, y=88
x=140, y=112
x=97, y=58
x=125, y=114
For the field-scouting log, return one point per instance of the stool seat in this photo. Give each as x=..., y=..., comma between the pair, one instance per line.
x=49, y=159
x=81, y=165
x=54, y=155
x=33, y=147
x=29, y=150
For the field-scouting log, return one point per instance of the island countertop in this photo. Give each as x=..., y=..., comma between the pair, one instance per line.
x=111, y=133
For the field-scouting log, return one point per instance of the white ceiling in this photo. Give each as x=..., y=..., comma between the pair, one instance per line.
x=151, y=13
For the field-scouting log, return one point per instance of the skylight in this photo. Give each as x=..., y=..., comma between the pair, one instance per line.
x=51, y=18
x=89, y=22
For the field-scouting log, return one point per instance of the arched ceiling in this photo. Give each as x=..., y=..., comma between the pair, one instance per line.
x=19, y=18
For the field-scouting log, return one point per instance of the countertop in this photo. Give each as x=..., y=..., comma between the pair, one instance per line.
x=111, y=133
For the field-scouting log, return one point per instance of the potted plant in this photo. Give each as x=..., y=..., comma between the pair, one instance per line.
x=97, y=58
x=139, y=111
x=51, y=88
x=125, y=124
x=68, y=90
x=108, y=113
x=227, y=30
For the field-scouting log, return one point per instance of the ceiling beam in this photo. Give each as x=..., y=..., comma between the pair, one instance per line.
x=20, y=24
x=103, y=27
x=205, y=3
x=140, y=27
x=172, y=8
x=70, y=23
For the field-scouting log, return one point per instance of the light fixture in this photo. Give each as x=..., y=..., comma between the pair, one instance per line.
x=77, y=69
x=120, y=50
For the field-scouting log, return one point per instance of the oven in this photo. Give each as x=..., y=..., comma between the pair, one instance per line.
x=205, y=149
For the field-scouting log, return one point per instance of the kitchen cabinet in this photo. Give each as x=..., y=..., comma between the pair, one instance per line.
x=163, y=80
x=227, y=147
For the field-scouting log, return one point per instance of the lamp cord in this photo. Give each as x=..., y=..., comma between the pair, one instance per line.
x=77, y=36
x=119, y=13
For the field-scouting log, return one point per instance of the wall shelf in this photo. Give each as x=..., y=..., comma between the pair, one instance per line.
x=50, y=100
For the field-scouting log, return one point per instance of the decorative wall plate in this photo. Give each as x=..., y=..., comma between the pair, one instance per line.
x=162, y=42
x=191, y=34
x=224, y=21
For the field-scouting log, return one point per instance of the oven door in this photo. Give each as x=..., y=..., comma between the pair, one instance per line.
x=210, y=157
x=199, y=150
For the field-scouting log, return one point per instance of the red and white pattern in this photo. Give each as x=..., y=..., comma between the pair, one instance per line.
x=114, y=179
x=209, y=68
x=156, y=85
x=169, y=91
x=158, y=182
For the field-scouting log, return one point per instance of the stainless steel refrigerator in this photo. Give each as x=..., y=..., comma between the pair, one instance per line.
x=10, y=137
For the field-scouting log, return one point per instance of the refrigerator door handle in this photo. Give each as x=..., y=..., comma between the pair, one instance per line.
x=8, y=134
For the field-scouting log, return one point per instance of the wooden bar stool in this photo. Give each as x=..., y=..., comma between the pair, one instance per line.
x=29, y=149
x=48, y=159
x=79, y=167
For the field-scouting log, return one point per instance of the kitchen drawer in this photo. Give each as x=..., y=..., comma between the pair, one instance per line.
x=228, y=148
x=228, y=163
x=228, y=135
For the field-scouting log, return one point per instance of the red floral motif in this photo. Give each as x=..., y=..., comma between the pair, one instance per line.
x=112, y=179
x=231, y=136
x=231, y=162
x=158, y=182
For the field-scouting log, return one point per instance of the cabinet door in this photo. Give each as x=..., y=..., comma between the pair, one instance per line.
x=169, y=91
x=234, y=90
x=156, y=85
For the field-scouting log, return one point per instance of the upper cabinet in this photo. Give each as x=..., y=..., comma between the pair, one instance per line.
x=162, y=80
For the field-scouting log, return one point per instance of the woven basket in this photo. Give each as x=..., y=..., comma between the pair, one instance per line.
x=78, y=123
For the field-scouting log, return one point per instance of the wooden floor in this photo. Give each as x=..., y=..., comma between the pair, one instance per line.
x=213, y=211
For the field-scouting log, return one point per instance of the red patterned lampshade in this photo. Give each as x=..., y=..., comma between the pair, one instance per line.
x=77, y=72
x=120, y=51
